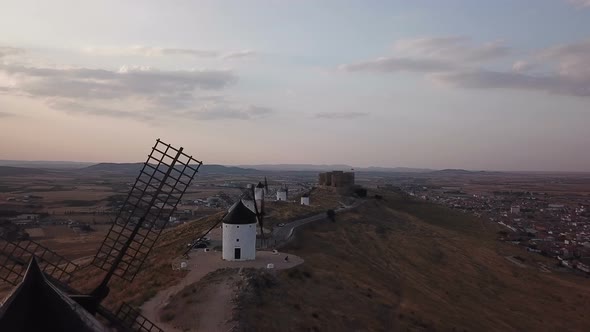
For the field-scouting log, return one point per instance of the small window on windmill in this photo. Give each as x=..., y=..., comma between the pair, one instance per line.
x=206, y=250
x=270, y=266
x=183, y=265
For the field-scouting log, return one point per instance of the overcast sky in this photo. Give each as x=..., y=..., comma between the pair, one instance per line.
x=495, y=85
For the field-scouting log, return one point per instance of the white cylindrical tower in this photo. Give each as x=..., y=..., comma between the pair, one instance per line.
x=259, y=192
x=239, y=234
x=282, y=195
x=305, y=199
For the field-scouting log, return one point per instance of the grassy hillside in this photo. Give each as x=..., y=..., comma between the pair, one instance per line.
x=321, y=200
x=157, y=272
x=398, y=264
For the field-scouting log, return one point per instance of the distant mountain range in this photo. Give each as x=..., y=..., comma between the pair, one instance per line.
x=240, y=169
x=18, y=171
x=45, y=164
x=133, y=168
x=333, y=167
x=19, y=167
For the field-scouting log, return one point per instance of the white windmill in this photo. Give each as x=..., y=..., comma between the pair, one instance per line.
x=239, y=226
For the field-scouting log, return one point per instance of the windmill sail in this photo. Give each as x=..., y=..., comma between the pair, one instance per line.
x=133, y=320
x=161, y=183
x=16, y=255
x=163, y=180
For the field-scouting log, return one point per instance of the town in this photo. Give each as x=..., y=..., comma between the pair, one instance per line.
x=546, y=222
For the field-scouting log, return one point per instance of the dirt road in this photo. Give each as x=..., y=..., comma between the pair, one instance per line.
x=218, y=302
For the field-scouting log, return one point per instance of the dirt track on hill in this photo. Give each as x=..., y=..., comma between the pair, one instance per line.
x=218, y=313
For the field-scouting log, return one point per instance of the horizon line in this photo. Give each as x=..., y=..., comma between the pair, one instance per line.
x=426, y=169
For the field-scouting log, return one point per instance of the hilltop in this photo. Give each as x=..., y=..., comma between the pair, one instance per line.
x=400, y=264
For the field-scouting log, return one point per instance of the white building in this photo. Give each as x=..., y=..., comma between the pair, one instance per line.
x=259, y=192
x=282, y=194
x=305, y=199
x=239, y=234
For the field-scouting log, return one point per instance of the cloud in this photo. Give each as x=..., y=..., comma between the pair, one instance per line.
x=221, y=111
x=109, y=84
x=6, y=114
x=573, y=60
x=579, y=3
x=81, y=108
x=149, y=51
x=239, y=54
x=453, y=48
x=522, y=66
x=562, y=69
x=7, y=51
x=484, y=79
x=341, y=115
x=432, y=54
x=139, y=93
x=393, y=64
x=216, y=110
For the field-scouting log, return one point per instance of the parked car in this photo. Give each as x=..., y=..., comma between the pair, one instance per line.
x=200, y=245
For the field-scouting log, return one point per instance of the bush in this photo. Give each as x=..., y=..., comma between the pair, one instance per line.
x=361, y=192
x=331, y=214
x=167, y=316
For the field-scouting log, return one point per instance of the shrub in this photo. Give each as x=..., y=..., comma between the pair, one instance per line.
x=167, y=316
x=331, y=214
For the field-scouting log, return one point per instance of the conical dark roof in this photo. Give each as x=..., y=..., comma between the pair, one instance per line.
x=259, y=185
x=37, y=305
x=240, y=214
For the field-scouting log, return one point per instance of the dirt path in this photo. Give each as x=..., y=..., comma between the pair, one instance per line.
x=219, y=308
x=217, y=304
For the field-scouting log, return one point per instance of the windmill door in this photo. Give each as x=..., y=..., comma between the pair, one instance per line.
x=237, y=253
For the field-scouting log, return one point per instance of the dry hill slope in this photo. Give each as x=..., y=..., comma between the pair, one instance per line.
x=155, y=275
x=399, y=264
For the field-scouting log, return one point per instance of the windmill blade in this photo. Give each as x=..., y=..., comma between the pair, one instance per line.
x=225, y=197
x=16, y=255
x=259, y=216
x=265, y=184
x=205, y=234
x=248, y=193
x=132, y=320
x=162, y=181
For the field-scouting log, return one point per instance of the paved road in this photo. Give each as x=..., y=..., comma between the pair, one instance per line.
x=283, y=233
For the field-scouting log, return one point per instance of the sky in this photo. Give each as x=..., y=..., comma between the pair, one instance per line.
x=486, y=85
